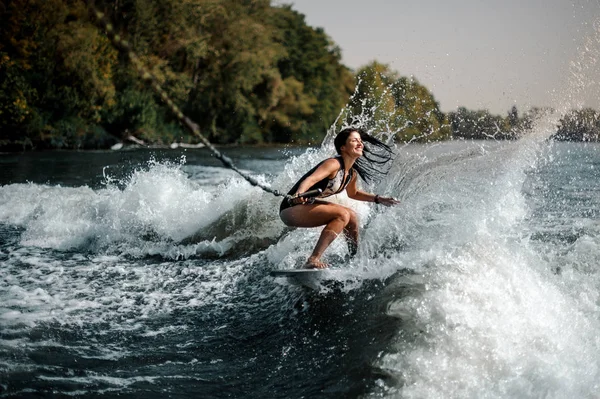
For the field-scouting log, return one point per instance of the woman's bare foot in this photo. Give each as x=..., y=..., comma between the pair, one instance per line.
x=313, y=263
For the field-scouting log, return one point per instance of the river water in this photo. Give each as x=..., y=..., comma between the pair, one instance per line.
x=145, y=273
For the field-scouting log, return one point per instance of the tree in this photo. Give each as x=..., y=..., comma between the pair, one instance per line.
x=314, y=60
x=55, y=68
x=398, y=106
x=478, y=125
x=579, y=125
x=237, y=75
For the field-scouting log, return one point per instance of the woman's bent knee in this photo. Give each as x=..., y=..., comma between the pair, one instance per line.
x=346, y=216
x=342, y=215
x=317, y=215
x=353, y=217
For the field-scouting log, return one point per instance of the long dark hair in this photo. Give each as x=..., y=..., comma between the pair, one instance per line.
x=375, y=161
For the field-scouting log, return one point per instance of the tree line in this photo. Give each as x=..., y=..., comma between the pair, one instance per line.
x=246, y=71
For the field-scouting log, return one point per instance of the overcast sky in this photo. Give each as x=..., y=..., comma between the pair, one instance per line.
x=482, y=54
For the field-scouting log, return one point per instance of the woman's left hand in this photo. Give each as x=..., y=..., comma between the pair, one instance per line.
x=387, y=201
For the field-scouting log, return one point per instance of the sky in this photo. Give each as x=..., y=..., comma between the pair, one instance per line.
x=481, y=54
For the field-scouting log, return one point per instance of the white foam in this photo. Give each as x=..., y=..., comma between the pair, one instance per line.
x=493, y=325
x=156, y=207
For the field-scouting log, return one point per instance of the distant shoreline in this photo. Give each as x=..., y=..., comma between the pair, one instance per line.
x=155, y=147
x=235, y=146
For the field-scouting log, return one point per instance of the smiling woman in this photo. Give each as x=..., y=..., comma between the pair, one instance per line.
x=358, y=154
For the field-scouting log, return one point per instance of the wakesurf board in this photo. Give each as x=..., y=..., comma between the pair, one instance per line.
x=311, y=278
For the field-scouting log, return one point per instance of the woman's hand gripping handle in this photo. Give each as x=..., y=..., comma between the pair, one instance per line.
x=307, y=197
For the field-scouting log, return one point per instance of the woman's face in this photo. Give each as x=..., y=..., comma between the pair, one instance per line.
x=354, y=145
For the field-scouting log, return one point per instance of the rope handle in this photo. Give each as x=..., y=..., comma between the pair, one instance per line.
x=308, y=194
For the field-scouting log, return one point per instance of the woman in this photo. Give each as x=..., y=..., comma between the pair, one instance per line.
x=332, y=176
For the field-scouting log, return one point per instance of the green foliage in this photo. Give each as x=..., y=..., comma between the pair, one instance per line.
x=236, y=80
x=579, y=125
x=475, y=125
x=481, y=125
x=246, y=71
x=57, y=69
x=312, y=59
x=397, y=106
x=15, y=95
x=135, y=110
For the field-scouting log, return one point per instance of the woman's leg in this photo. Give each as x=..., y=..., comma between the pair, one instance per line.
x=336, y=219
x=351, y=233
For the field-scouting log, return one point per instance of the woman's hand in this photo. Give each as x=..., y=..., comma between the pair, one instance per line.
x=300, y=200
x=387, y=201
x=296, y=201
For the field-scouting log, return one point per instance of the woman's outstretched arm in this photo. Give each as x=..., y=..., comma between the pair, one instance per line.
x=355, y=193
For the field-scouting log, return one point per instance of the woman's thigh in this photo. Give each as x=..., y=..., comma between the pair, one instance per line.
x=313, y=215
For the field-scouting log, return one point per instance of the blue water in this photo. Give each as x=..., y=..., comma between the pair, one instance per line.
x=144, y=273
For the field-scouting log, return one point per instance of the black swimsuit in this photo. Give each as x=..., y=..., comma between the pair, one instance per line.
x=328, y=186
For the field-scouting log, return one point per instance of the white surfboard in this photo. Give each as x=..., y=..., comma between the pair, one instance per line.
x=311, y=278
